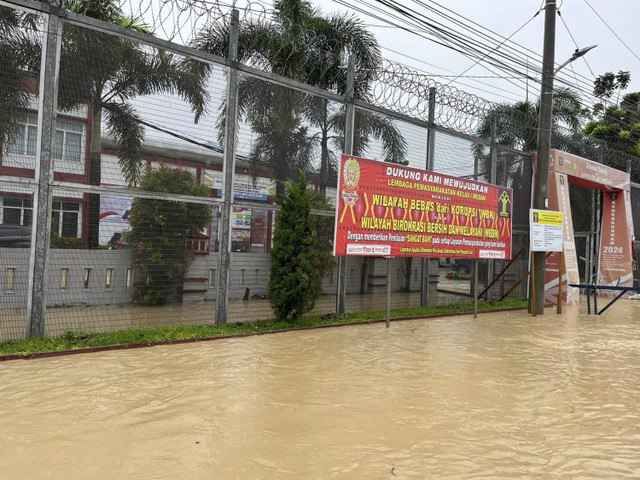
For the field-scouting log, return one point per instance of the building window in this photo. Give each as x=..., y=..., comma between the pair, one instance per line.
x=17, y=211
x=11, y=278
x=108, y=278
x=68, y=141
x=65, y=218
x=87, y=277
x=64, y=278
x=68, y=145
x=24, y=142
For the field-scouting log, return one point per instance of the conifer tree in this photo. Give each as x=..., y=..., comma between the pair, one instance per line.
x=295, y=278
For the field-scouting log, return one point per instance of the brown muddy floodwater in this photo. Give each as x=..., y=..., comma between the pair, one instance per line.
x=503, y=396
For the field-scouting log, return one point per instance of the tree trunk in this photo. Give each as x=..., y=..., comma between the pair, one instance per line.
x=364, y=273
x=407, y=274
x=324, y=147
x=281, y=169
x=95, y=176
x=281, y=177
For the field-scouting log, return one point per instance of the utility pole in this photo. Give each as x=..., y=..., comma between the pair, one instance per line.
x=41, y=230
x=544, y=143
x=224, y=260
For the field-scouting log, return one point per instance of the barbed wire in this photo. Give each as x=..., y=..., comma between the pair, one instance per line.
x=180, y=20
x=392, y=86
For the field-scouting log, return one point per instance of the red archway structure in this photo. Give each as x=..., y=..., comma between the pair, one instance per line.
x=615, y=265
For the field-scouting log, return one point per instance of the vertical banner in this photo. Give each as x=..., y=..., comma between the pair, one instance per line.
x=559, y=200
x=615, y=264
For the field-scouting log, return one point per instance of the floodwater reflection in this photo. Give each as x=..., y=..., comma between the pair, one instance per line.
x=503, y=396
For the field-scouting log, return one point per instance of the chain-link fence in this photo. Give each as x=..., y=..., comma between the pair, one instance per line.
x=117, y=147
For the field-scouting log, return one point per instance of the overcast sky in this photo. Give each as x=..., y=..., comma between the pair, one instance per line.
x=505, y=17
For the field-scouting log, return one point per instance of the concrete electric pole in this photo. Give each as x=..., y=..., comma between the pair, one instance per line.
x=544, y=145
x=544, y=141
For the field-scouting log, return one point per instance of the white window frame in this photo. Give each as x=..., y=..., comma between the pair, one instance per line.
x=21, y=207
x=29, y=128
x=65, y=128
x=61, y=211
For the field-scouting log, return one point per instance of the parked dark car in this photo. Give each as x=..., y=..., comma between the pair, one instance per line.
x=15, y=236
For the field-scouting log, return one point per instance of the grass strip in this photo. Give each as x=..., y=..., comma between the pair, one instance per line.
x=74, y=340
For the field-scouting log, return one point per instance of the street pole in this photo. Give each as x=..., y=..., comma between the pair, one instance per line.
x=431, y=149
x=41, y=229
x=544, y=142
x=350, y=116
x=224, y=260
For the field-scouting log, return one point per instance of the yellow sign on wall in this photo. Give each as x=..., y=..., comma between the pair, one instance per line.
x=546, y=230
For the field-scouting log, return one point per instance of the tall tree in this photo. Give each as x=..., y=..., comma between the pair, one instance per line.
x=302, y=44
x=16, y=45
x=294, y=282
x=608, y=84
x=619, y=126
x=106, y=72
x=160, y=229
x=516, y=126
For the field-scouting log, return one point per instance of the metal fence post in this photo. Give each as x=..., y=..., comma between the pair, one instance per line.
x=224, y=262
x=41, y=229
x=350, y=116
x=431, y=145
x=493, y=178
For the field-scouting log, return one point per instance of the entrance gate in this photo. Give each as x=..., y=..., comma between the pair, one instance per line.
x=615, y=265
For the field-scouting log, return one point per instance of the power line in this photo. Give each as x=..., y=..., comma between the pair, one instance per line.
x=499, y=45
x=575, y=43
x=396, y=25
x=412, y=17
x=482, y=33
x=611, y=30
x=457, y=42
x=464, y=42
x=483, y=29
x=448, y=45
x=451, y=39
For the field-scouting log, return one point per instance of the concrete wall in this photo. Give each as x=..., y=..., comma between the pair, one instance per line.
x=96, y=292
x=249, y=271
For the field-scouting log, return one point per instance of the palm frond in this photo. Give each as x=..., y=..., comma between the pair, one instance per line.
x=124, y=125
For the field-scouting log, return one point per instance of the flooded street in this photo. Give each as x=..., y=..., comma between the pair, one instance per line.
x=503, y=396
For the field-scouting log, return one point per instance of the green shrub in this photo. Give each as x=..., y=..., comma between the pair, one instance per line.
x=159, y=233
x=294, y=283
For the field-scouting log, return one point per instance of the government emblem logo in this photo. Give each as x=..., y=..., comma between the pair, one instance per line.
x=350, y=181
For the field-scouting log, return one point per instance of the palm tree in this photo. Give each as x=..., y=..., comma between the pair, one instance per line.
x=105, y=72
x=516, y=126
x=16, y=45
x=300, y=43
x=272, y=111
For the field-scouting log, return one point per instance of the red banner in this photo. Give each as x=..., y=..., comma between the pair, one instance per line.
x=616, y=256
x=385, y=209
